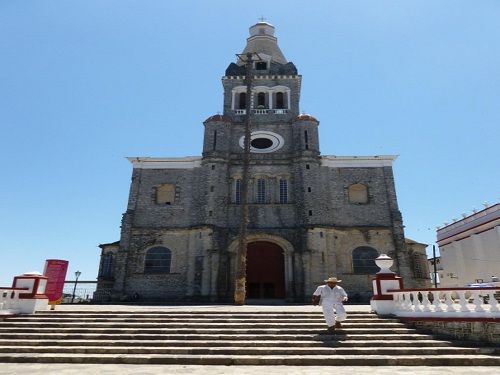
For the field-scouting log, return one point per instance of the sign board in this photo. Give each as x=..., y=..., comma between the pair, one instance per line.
x=55, y=271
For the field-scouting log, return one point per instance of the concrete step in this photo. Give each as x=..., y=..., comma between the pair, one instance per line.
x=167, y=325
x=319, y=319
x=226, y=338
x=274, y=360
x=209, y=337
x=395, y=351
x=222, y=330
x=194, y=312
x=236, y=343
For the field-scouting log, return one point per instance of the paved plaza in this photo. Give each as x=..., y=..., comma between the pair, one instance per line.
x=74, y=369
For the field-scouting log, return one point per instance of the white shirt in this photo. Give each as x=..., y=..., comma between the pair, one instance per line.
x=330, y=295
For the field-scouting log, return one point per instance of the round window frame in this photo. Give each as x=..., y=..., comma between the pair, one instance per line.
x=276, y=139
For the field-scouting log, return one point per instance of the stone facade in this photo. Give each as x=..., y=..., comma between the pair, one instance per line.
x=320, y=210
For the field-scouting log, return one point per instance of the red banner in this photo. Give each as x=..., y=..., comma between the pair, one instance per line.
x=55, y=270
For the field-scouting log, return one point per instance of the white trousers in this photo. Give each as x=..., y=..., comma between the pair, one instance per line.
x=331, y=316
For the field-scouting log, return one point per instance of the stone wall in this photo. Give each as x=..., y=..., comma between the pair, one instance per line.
x=480, y=331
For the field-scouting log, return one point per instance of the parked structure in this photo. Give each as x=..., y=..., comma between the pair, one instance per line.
x=310, y=215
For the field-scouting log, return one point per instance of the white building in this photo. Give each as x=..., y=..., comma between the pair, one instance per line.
x=470, y=248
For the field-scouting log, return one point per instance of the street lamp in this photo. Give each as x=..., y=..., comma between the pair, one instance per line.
x=77, y=275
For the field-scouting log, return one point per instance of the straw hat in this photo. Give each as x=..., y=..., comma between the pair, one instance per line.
x=332, y=280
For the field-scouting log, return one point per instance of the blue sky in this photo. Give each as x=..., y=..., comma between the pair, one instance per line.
x=83, y=84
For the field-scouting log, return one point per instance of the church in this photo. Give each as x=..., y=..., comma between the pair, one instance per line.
x=310, y=215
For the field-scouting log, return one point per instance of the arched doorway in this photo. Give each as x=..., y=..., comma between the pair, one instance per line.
x=265, y=270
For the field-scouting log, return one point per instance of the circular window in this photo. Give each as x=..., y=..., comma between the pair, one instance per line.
x=263, y=141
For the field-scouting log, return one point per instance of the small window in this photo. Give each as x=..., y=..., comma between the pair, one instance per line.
x=280, y=100
x=358, y=193
x=106, y=269
x=212, y=188
x=237, y=192
x=242, y=102
x=283, y=191
x=309, y=189
x=261, y=190
x=260, y=65
x=310, y=213
x=308, y=166
x=213, y=167
x=420, y=266
x=214, y=146
x=158, y=260
x=306, y=140
x=210, y=213
x=363, y=260
x=165, y=194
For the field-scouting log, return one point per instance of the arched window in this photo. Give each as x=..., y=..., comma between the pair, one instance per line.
x=261, y=100
x=358, y=193
x=280, y=102
x=363, y=260
x=106, y=269
x=158, y=260
x=261, y=190
x=242, y=102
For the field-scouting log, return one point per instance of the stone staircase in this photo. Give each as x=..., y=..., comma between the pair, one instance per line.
x=200, y=337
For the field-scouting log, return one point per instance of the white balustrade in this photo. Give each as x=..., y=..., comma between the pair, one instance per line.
x=241, y=111
x=260, y=111
x=447, y=303
x=9, y=301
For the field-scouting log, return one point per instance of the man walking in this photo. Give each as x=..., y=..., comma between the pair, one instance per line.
x=330, y=296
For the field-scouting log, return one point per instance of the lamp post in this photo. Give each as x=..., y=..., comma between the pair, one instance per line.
x=77, y=275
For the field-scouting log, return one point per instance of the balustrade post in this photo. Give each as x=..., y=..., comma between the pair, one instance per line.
x=478, y=301
x=493, y=301
x=426, y=302
x=417, y=306
x=463, y=302
x=448, y=301
x=407, y=301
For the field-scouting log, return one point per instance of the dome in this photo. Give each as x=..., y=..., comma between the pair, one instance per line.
x=217, y=117
x=306, y=117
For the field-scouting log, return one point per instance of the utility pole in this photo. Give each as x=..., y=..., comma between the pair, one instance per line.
x=241, y=264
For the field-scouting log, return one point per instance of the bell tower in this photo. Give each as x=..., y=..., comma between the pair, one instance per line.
x=276, y=83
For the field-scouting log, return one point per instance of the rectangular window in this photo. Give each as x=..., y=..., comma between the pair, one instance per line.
x=420, y=270
x=237, y=192
x=165, y=194
x=214, y=146
x=306, y=139
x=283, y=191
x=261, y=190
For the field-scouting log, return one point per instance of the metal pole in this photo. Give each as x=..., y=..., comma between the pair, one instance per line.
x=77, y=275
x=435, y=265
x=240, y=283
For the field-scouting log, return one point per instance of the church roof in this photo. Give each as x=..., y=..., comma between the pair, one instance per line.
x=306, y=117
x=218, y=117
x=263, y=42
